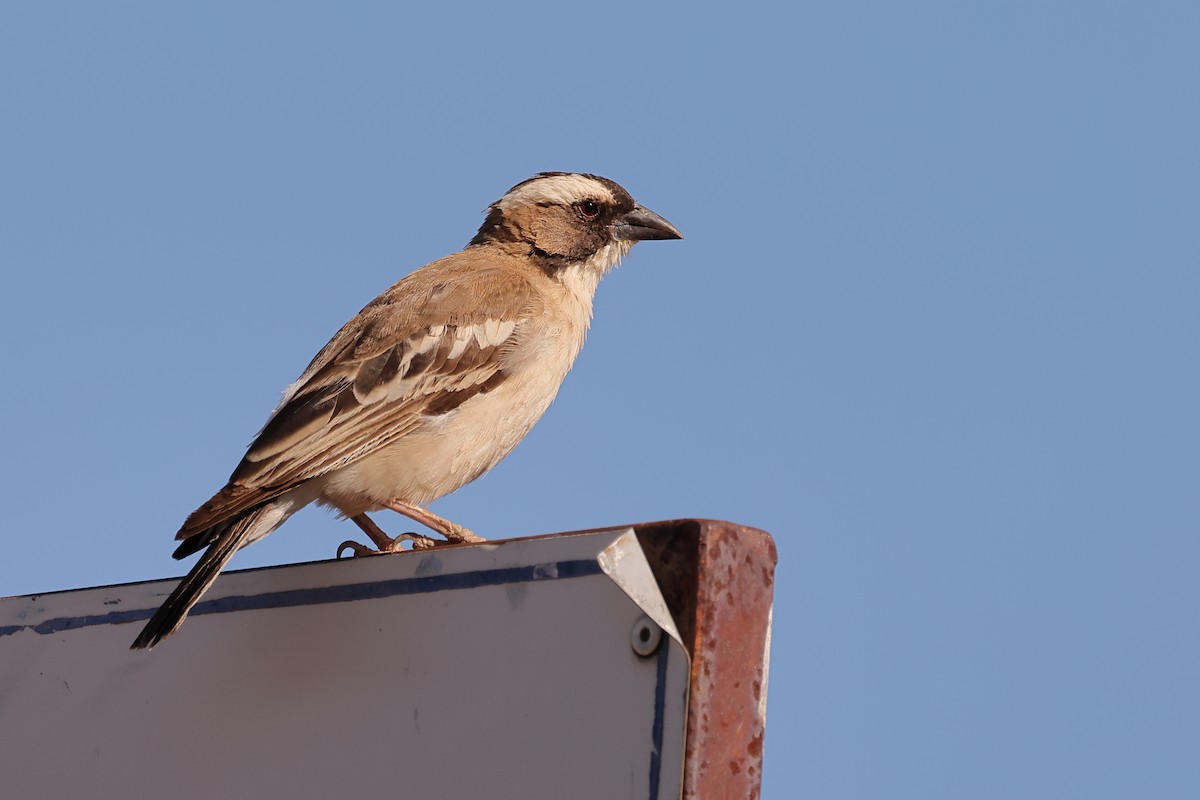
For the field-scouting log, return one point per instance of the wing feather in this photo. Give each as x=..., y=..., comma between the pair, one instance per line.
x=432, y=341
x=371, y=403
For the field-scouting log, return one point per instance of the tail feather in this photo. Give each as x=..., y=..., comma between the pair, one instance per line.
x=198, y=541
x=223, y=541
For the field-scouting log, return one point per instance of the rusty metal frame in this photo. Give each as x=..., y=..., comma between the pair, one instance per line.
x=718, y=579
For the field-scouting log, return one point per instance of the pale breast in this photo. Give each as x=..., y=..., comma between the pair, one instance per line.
x=450, y=450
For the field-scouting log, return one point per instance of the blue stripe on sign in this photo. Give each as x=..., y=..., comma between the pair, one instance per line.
x=660, y=702
x=553, y=571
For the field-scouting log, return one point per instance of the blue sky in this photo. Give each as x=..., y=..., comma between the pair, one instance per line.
x=934, y=326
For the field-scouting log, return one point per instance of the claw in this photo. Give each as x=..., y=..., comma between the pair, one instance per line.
x=419, y=542
x=392, y=545
x=357, y=549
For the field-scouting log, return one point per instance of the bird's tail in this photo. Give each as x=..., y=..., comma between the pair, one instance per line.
x=224, y=540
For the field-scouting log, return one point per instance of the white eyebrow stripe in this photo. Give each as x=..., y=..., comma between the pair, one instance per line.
x=559, y=189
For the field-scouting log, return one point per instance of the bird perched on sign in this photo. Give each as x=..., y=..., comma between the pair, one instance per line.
x=431, y=384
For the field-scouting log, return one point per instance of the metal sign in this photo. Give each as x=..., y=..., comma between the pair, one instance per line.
x=543, y=668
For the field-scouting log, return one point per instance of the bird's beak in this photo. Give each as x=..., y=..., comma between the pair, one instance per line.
x=641, y=224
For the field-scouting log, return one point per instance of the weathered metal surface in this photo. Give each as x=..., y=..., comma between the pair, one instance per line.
x=522, y=668
x=718, y=580
x=500, y=670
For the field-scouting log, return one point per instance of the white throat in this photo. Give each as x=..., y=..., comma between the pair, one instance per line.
x=582, y=279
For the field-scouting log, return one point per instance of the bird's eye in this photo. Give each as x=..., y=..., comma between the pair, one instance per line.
x=588, y=209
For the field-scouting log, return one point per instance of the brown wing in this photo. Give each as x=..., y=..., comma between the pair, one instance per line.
x=433, y=340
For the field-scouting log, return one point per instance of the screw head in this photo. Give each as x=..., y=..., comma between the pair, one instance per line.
x=645, y=636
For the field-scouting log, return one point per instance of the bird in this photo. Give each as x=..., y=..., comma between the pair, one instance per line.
x=430, y=385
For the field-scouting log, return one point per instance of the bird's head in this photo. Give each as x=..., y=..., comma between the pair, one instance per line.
x=568, y=219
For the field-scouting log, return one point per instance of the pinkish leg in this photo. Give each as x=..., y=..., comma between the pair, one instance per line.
x=453, y=533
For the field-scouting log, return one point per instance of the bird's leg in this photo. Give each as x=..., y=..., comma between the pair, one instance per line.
x=456, y=534
x=383, y=542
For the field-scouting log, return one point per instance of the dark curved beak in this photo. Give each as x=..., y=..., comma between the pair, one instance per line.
x=642, y=224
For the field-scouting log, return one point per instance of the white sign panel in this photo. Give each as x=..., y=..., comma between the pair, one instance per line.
x=544, y=668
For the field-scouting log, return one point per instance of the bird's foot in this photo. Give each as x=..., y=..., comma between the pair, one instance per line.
x=455, y=534
x=390, y=545
x=383, y=543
